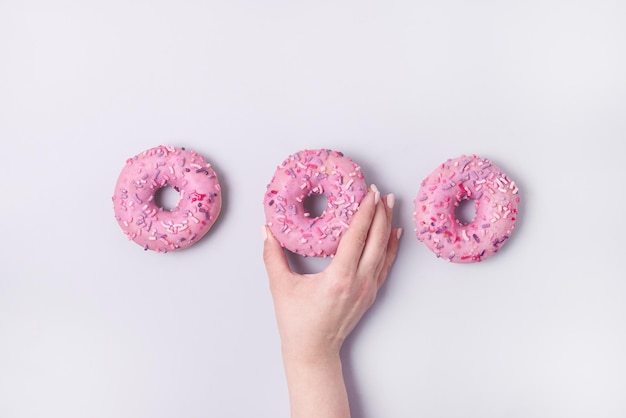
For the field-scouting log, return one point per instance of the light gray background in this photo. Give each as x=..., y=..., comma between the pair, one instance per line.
x=92, y=326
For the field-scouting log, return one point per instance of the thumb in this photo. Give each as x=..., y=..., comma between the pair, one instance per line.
x=274, y=257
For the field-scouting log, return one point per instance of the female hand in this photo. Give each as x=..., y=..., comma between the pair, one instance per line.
x=316, y=312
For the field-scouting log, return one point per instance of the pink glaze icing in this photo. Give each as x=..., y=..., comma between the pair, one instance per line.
x=306, y=173
x=496, y=202
x=153, y=227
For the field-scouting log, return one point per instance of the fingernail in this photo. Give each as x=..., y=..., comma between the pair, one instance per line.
x=399, y=233
x=264, y=232
x=391, y=200
x=376, y=193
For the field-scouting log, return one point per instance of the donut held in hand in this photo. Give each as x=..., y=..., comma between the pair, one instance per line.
x=307, y=173
x=496, y=203
x=156, y=228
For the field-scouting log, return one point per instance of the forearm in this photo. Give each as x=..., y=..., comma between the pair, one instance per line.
x=316, y=386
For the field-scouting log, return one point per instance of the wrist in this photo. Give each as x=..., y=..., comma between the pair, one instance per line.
x=313, y=356
x=316, y=385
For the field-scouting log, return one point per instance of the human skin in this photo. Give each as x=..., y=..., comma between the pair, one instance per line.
x=316, y=312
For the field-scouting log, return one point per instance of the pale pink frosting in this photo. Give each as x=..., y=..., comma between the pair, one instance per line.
x=496, y=202
x=313, y=172
x=153, y=227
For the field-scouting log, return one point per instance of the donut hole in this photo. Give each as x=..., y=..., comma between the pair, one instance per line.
x=167, y=198
x=465, y=212
x=314, y=205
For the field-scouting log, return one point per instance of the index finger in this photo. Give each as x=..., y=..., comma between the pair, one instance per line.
x=352, y=244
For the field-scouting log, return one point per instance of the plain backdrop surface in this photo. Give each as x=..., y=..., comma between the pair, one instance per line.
x=93, y=326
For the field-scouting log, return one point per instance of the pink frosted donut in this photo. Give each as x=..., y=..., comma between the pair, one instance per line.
x=466, y=178
x=307, y=173
x=153, y=227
